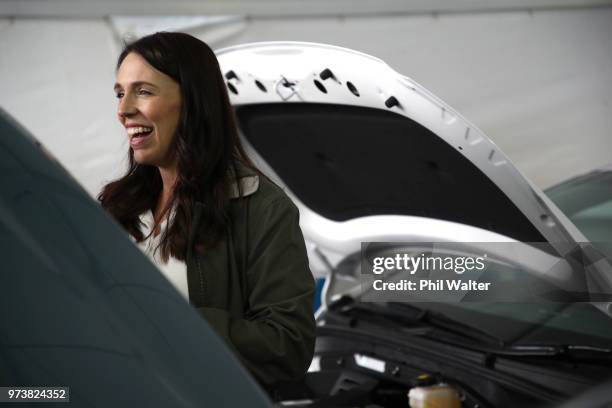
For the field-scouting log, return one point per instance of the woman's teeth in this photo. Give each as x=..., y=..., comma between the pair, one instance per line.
x=136, y=130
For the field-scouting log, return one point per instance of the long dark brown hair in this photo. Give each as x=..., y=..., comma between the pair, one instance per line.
x=207, y=148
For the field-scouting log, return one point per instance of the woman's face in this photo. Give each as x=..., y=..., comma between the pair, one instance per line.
x=149, y=108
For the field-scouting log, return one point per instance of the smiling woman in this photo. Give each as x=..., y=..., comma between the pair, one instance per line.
x=221, y=232
x=149, y=108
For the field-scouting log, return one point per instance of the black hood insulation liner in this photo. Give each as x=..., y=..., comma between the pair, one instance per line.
x=345, y=162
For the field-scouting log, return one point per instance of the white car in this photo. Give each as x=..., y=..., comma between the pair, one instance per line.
x=368, y=155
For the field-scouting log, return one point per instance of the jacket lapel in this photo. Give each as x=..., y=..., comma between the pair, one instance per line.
x=221, y=258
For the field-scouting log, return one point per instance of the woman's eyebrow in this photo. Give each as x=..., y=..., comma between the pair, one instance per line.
x=134, y=84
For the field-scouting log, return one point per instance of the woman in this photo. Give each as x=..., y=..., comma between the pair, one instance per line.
x=219, y=230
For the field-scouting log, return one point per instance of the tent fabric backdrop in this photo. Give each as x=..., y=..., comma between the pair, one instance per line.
x=537, y=82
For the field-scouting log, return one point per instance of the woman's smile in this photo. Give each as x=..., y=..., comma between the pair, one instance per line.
x=139, y=136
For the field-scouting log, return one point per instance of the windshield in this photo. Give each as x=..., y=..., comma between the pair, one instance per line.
x=587, y=201
x=515, y=309
x=535, y=323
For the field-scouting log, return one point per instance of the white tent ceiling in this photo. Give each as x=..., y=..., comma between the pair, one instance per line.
x=533, y=75
x=273, y=8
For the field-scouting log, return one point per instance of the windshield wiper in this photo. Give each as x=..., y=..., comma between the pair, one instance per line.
x=556, y=350
x=407, y=314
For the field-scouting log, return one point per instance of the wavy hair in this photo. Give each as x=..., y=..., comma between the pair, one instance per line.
x=206, y=146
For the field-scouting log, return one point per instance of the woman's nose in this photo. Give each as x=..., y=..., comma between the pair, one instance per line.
x=126, y=106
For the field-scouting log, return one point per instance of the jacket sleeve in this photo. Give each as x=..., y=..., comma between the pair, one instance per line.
x=275, y=338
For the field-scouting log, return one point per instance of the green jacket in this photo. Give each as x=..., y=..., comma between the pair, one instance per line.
x=255, y=288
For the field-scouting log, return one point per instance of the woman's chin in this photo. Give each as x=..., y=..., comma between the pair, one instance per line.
x=146, y=159
x=142, y=158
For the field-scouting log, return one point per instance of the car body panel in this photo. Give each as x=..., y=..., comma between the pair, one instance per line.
x=81, y=306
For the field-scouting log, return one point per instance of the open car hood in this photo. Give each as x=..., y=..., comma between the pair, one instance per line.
x=359, y=146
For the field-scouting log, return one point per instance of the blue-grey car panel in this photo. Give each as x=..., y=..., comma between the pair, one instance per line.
x=81, y=306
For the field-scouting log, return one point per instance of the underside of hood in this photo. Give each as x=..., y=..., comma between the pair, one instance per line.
x=351, y=137
x=346, y=162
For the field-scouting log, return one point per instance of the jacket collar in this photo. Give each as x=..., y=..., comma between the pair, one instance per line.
x=244, y=180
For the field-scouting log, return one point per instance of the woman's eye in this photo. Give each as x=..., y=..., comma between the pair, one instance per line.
x=144, y=92
x=119, y=95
